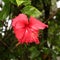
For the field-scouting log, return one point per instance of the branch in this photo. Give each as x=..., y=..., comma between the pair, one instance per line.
x=51, y=16
x=3, y=43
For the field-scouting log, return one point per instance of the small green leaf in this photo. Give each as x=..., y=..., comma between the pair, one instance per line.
x=19, y=2
x=31, y=11
x=46, y=50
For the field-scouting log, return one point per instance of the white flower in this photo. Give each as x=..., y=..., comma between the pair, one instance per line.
x=58, y=4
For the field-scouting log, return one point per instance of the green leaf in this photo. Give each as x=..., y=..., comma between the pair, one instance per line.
x=5, y=12
x=6, y=1
x=54, y=56
x=13, y=1
x=46, y=50
x=31, y=11
x=27, y=2
x=34, y=52
x=19, y=2
x=24, y=2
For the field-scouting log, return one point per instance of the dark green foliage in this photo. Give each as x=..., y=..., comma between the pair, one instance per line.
x=40, y=9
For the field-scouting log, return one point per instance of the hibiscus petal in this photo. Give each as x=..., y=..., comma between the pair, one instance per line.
x=36, y=24
x=31, y=36
x=19, y=33
x=36, y=40
x=26, y=37
x=19, y=25
x=34, y=31
x=34, y=37
x=21, y=18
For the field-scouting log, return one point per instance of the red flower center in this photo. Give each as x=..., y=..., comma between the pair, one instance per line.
x=26, y=25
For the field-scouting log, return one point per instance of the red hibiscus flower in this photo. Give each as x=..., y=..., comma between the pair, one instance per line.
x=26, y=31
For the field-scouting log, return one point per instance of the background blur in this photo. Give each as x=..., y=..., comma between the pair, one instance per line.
x=48, y=11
